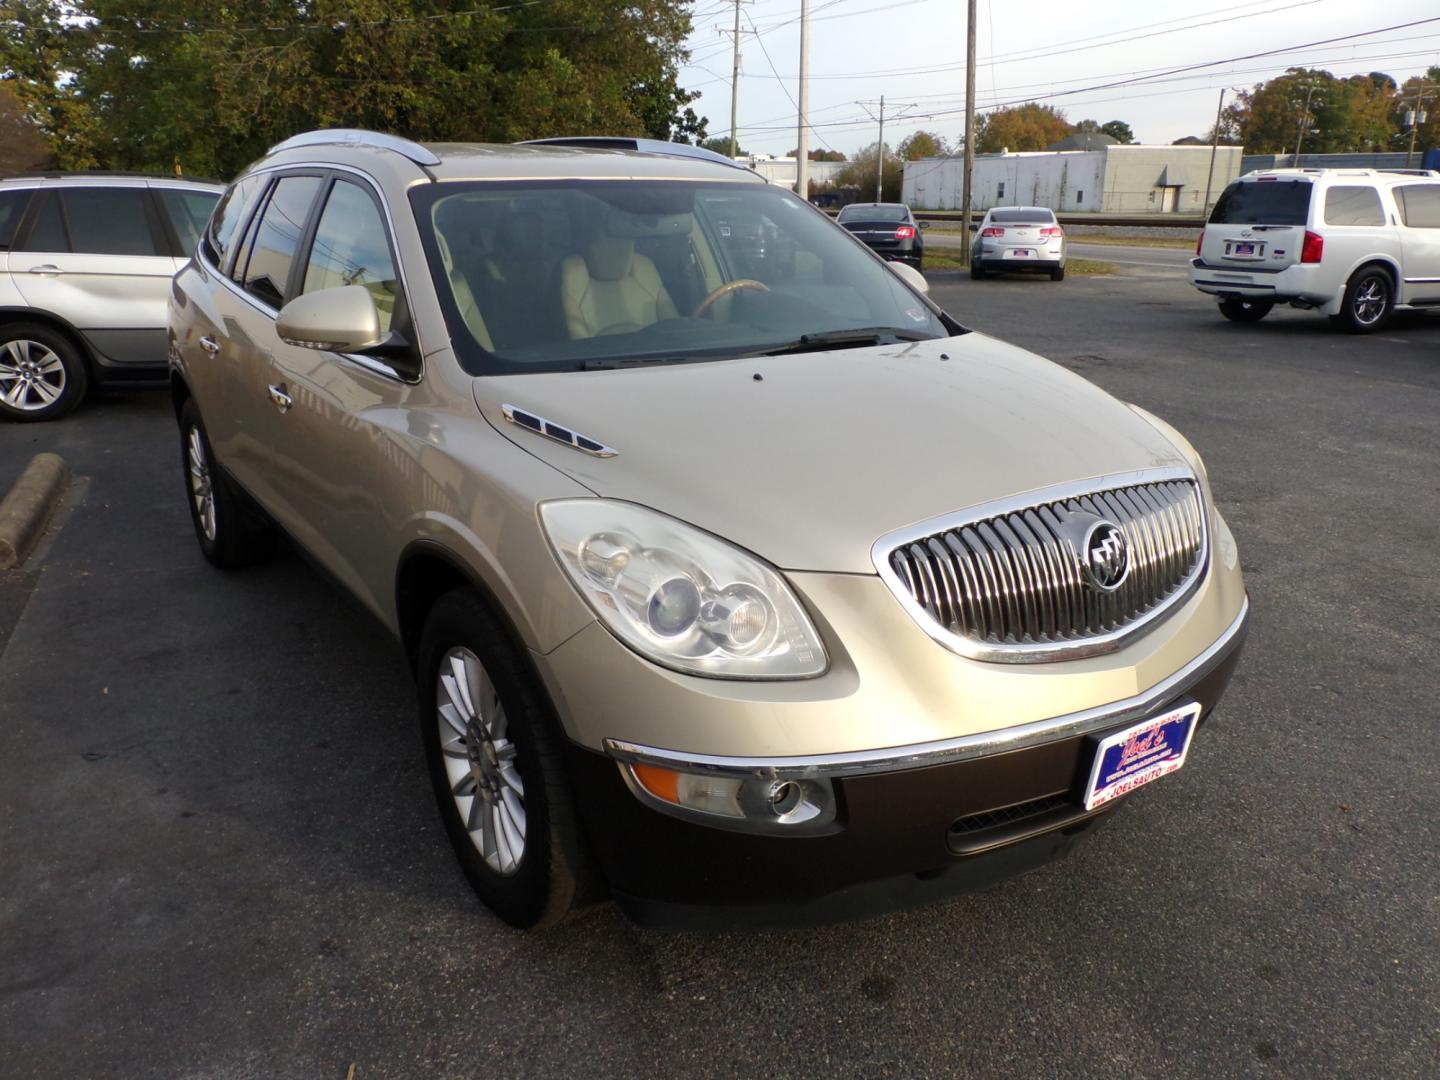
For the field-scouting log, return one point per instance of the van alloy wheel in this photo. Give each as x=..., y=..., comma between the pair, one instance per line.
x=32, y=377
x=480, y=760
x=1370, y=301
x=202, y=489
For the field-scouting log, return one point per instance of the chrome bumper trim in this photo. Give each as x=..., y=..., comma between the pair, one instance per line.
x=947, y=751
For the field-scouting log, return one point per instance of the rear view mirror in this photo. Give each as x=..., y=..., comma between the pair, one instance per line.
x=911, y=277
x=343, y=320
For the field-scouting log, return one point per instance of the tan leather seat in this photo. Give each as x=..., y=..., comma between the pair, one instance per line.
x=612, y=289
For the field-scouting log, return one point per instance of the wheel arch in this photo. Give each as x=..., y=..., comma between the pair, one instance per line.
x=12, y=313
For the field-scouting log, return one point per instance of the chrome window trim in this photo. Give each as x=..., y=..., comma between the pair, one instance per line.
x=1036, y=652
x=949, y=751
x=368, y=363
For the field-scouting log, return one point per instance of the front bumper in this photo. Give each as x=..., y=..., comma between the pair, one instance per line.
x=915, y=824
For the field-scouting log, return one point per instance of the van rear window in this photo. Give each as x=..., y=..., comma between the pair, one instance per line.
x=1264, y=202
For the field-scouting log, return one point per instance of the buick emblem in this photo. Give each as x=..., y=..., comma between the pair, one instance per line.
x=1106, y=559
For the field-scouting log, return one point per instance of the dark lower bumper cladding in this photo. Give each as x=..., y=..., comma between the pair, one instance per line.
x=901, y=839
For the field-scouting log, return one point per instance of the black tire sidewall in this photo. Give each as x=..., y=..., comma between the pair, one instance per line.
x=1244, y=311
x=547, y=884
x=240, y=540
x=77, y=374
x=1347, y=316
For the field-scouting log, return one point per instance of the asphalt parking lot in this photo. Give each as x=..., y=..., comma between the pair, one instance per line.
x=221, y=857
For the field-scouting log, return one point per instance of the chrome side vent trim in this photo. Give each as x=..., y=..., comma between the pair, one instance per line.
x=558, y=432
x=1056, y=574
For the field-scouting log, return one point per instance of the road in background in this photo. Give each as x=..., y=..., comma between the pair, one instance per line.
x=1165, y=260
x=221, y=856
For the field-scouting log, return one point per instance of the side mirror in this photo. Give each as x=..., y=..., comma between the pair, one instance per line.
x=974, y=226
x=911, y=277
x=923, y=224
x=343, y=320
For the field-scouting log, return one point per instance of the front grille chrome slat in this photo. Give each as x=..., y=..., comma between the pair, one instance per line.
x=1010, y=581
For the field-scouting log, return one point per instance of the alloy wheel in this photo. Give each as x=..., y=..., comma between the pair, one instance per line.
x=32, y=376
x=1369, y=303
x=479, y=759
x=202, y=489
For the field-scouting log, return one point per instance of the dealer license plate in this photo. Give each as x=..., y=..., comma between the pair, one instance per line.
x=1132, y=758
x=1247, y=251
x=1021, y=253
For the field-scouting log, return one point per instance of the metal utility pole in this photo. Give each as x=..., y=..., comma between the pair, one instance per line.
x=880, y=154
x=1214, y=144
x=969, y=166
x=802, y=135
x=1304, y=122
x=735, y=83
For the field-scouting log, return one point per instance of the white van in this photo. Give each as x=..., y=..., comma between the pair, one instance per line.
x=1353, y=243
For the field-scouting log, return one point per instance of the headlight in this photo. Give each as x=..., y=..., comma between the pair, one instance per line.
x=682, y=597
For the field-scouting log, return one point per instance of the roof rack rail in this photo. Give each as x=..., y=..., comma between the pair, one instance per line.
x=107, y=174
x=644, y=146
x=358, y=137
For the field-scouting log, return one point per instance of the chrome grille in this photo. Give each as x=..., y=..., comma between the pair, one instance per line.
x=1011, y=583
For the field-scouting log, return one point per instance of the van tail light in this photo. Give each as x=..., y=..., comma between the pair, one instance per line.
x=1199, y=243
x=1314, y=248
x=992, y=231
x=1052, y=230
x=905, y=232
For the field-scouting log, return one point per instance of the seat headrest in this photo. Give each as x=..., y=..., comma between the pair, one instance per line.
x=609, y=257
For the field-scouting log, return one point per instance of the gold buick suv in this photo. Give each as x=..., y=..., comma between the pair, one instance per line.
x=741, y=583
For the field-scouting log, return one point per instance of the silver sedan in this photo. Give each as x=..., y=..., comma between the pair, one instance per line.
x=1018, y=239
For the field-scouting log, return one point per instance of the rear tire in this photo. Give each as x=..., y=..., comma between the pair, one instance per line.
x=1058, y=274
x=1369, y=300
x=977, y=272
x=494, y=745
x=42, y=373
x=231, y=531
x=1237, y=310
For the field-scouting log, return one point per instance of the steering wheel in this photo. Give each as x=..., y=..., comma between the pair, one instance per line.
x=725, y=290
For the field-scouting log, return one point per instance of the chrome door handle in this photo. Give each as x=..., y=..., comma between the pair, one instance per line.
x=210, y=345
x=48, y=270
x=282, y=400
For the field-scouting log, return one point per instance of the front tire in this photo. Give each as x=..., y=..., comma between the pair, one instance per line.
x=1237, y=310
x=42, y=373
x=231, y=532
x=1369, y=300
x=494, y=751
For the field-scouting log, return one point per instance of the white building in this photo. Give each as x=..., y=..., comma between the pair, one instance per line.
x=1113, y=179
x=781, y=170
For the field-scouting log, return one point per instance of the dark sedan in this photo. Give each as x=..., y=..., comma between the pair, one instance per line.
x=888, y=229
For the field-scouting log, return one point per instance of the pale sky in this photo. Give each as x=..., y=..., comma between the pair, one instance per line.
x=913, y=52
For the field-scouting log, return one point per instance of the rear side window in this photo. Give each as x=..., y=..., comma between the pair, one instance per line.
x=1419, y=205
x=234, y=208
x=188, y=211
x=351, y=248
x=108, y=221
x=1353, y=206
x=12, y=205
x=1264, y=202
x=267, y=272
x=47, y=227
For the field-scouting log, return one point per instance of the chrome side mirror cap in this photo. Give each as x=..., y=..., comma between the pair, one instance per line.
x=911, y=277
x=342, y=319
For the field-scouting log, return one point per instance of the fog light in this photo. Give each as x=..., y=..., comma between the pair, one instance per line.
x=748, y=802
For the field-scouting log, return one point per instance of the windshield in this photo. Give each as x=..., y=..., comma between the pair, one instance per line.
x=1263, y=202
x=1022, y=217
x=564, y=275
x=874, y=212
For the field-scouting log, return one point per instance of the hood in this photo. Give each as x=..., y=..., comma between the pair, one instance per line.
x=826, y=452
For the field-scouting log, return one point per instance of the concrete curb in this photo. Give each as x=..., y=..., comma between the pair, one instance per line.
x=29, y=505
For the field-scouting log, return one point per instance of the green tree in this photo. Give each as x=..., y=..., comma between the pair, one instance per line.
x=22, y=147
x=860, y=171
x=211, y=84
x=721, y=145
x=1024, y=127
x=1118, y=130
x=820, y=155
x=923, y=144
x=1353, y=114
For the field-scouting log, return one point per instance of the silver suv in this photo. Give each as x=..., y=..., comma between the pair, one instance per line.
x=740, y=581
x=85, y=267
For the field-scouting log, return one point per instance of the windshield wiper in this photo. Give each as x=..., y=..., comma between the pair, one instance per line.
x=845, y=339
